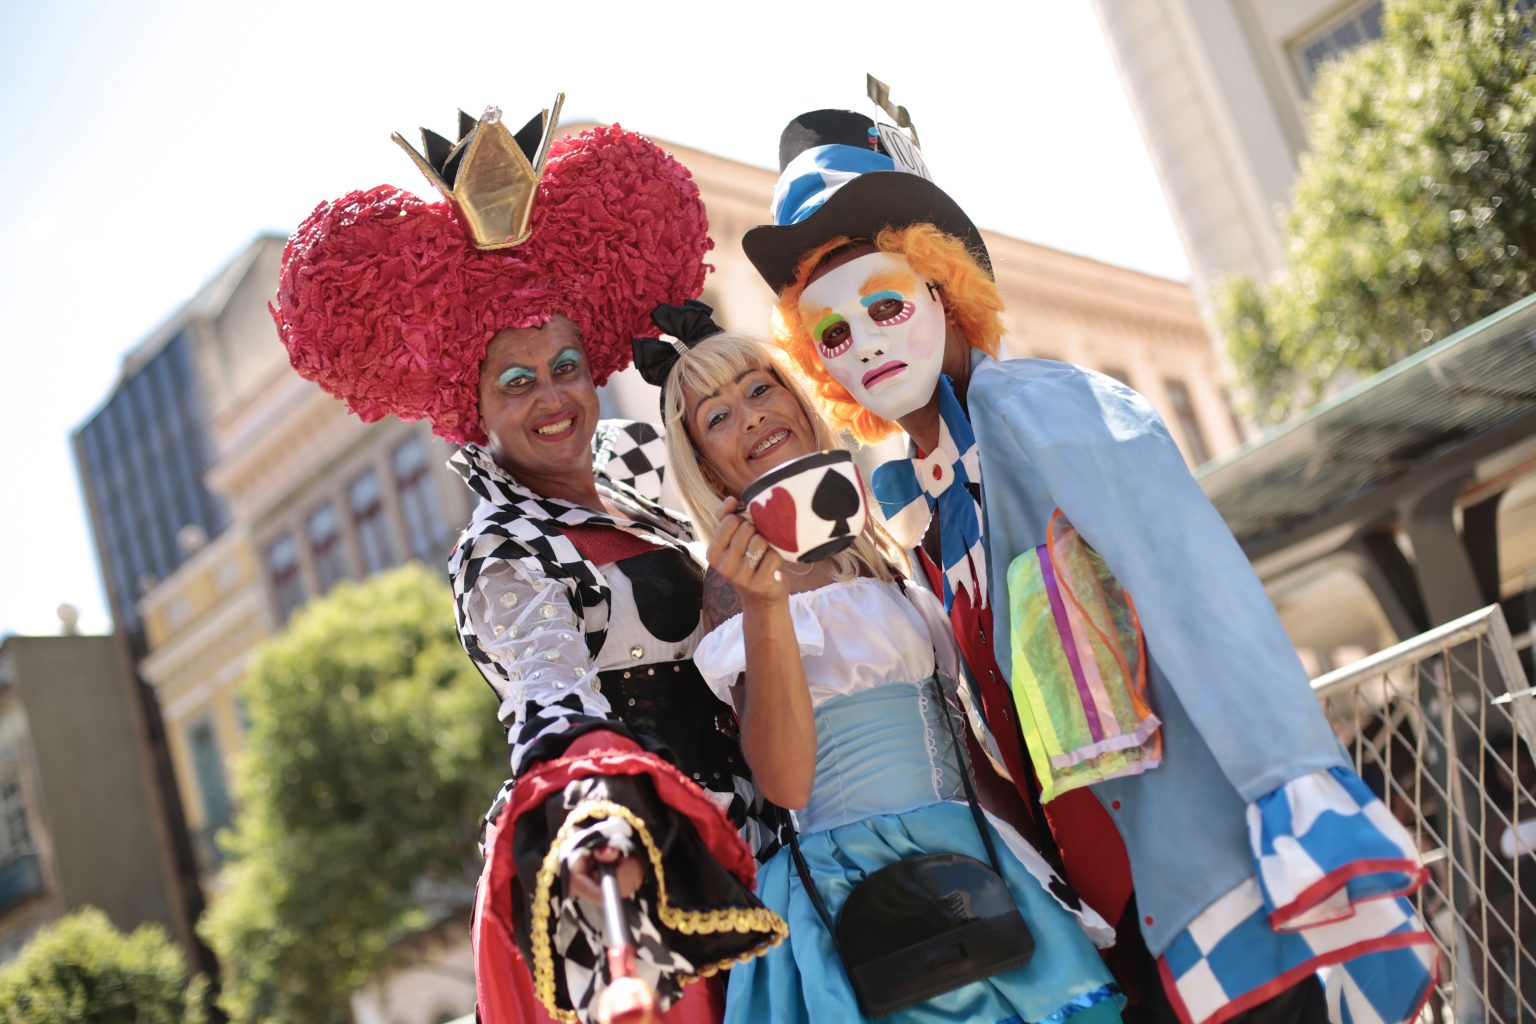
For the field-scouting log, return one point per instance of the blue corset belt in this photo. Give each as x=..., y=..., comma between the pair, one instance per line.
x=880, y=751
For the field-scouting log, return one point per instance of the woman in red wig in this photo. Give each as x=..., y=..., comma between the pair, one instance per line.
x=496, y=315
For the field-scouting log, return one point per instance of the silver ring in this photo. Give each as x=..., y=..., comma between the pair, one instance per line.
x=755, y=555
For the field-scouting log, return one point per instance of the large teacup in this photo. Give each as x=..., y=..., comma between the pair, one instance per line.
x=808, y=508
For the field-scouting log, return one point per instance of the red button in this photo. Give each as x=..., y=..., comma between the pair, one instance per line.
x=938, y=472
x=1147, y=919
x=1115, y=804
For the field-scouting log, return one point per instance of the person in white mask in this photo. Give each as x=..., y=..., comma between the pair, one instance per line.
x=1204, y=762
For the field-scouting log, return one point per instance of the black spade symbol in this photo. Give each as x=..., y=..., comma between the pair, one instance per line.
x=837, y=501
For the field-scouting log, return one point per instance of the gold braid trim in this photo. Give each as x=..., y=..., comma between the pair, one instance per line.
x=689, y=922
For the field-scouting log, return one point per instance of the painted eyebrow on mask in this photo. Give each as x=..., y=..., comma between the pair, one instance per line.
x=825, y=322
x=888, y=280
x=870, y=300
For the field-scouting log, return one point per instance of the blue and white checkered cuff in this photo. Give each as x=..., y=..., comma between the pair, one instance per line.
x=1323, y=844
x=1381, y=960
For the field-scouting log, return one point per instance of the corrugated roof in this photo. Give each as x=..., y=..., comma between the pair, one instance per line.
x=1422, y=410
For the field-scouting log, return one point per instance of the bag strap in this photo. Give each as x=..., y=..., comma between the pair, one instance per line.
x=810, y=887
x=961, y=760
x=965, y=780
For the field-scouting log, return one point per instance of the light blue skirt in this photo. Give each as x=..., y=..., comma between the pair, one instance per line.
x=802, y=980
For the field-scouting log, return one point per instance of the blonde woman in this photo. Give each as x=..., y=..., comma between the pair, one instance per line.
x=842, y=677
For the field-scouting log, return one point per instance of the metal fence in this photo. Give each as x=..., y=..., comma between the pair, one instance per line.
x=1443, y=727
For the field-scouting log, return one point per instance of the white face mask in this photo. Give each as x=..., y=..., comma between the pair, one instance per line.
x=879, y=329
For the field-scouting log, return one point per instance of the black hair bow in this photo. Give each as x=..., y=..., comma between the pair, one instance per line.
x=689, y=323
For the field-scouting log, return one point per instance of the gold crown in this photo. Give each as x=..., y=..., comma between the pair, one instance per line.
x=490, y=175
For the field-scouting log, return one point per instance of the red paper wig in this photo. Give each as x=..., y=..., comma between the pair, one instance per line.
x=384, y=301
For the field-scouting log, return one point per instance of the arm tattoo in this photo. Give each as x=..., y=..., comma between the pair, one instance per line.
x=720, y=600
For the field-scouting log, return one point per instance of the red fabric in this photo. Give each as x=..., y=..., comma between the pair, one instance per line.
x=675, y=789
x=601, y=544
x=1092, y=851
x=599, y=739
x=503, y=985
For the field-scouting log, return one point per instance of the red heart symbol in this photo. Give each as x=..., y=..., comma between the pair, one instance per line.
x=774, y=517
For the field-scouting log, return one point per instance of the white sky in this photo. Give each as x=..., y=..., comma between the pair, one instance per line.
x=146, y=143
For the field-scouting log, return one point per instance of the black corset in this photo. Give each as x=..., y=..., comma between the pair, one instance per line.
x=670, y=701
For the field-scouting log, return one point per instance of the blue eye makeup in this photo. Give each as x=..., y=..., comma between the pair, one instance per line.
x=513, y=375
x=869, y=300
x=567, y=357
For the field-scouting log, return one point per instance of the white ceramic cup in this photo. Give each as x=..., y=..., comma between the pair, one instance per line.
x=808, y=508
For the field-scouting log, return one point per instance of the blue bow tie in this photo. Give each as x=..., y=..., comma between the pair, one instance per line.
x=909, y=489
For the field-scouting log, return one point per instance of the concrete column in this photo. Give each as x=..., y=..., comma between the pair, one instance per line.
x=1446, y=575
x=1450, y=693
x=1375, y=557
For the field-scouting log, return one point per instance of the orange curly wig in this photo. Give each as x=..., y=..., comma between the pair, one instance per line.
x=970, y=296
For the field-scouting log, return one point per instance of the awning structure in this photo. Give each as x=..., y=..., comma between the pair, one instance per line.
x=1357, y=456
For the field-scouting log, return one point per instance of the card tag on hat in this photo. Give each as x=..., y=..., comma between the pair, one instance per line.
x=902, y=150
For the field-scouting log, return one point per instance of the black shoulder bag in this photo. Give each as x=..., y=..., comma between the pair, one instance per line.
x=925, y=925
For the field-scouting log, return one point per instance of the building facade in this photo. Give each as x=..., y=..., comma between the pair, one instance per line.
x=75, y=791
x=1220, y=89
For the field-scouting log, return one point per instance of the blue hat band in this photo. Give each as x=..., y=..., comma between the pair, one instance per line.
x=812, y=177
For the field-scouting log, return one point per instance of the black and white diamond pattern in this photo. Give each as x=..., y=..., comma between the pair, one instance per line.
x=633, y=453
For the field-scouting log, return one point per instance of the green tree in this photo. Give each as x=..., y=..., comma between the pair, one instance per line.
x=82, y=970
x=1413, y=215
x=373, y=749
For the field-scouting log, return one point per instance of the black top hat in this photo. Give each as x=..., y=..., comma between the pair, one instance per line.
x=841, y=174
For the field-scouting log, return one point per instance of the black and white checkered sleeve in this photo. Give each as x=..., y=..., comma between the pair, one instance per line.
x=533, y=653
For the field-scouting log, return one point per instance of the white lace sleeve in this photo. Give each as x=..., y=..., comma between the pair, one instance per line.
x=541, y=669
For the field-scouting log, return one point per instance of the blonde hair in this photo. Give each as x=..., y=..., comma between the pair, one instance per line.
x=970, y=297
x=707, y=367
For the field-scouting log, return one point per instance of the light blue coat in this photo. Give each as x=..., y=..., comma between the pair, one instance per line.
x=1239, y=718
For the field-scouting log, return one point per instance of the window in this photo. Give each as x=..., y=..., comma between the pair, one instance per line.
x=218, y=812
x=287, y=582
x=1356, y=28
x=1189, y=423
x=374, y=541
x=15, y=835
x=418, y=502
x=325, y=543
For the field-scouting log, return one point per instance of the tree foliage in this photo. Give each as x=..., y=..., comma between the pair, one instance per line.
x=82, y=970
x=372, y=751
x=1413, y=215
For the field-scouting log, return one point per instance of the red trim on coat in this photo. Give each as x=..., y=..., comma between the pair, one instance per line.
x=503, y=984
x=1272, y=988
x=674, y=788
x=1330, y=883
